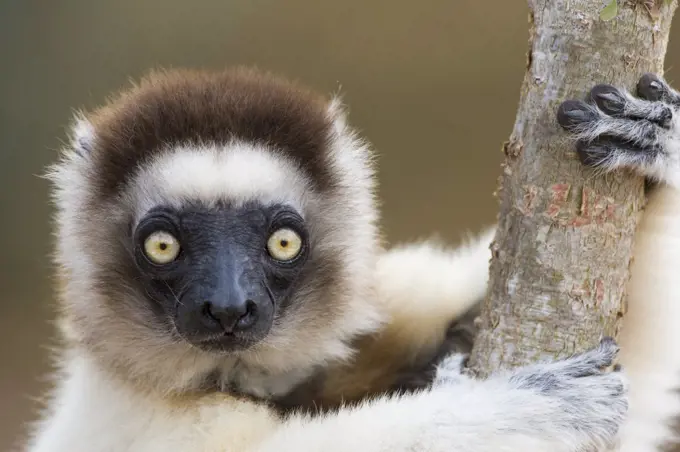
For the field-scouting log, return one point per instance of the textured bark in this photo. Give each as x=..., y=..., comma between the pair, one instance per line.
x=562, y=251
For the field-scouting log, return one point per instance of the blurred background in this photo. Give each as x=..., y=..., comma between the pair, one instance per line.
x=433, y=84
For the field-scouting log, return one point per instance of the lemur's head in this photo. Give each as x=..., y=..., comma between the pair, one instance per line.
x=206, y=219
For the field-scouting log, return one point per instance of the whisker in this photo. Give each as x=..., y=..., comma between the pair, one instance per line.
x=177, y=300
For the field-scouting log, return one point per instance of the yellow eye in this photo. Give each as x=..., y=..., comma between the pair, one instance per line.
x=284, y=244
x=161, y=247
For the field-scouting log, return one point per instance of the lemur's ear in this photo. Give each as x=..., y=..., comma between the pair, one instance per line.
x=82, y=136
x=337, y=111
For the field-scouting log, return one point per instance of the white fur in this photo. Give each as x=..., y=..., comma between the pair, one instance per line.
x=509, y=412
x=240, y=172
x=95, y=413
x=447, y=281
x=423, y=286
x=650, y=339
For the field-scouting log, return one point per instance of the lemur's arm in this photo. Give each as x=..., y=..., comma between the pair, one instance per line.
x=430, y=296
x=565, y=406
x=617, y=130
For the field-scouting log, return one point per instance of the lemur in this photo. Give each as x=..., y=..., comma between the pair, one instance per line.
x=217, y=245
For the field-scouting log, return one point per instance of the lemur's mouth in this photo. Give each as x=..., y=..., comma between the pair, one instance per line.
x=225, y=341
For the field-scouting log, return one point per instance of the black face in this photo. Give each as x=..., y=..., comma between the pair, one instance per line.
x=220, y=273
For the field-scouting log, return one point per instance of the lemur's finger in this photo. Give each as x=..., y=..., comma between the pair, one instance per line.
x=654, y=88
x=620, y=104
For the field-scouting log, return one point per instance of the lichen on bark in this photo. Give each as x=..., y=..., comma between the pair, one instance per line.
x=560, y=259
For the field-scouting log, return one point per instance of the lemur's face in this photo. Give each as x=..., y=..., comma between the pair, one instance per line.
x=225, y=246
x=206, y=216
x=221, y=273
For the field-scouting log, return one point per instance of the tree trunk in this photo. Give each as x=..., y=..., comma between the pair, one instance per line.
x=564, y=242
